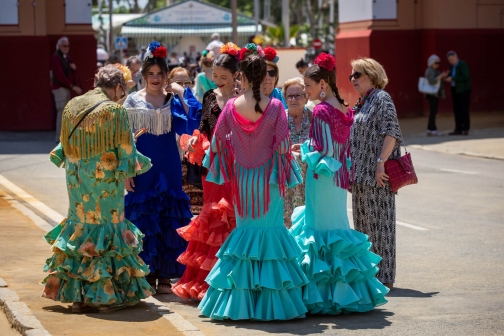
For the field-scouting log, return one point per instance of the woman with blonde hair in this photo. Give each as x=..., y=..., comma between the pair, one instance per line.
x=203, y=81
x=375, y=138
x=95, y=262
x=299, y=118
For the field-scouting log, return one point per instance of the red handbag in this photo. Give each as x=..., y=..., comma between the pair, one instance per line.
x=401, y=172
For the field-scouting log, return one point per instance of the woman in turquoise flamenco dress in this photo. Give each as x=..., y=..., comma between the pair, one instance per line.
x=257, y=276
x=95, y=262
x=336, y=259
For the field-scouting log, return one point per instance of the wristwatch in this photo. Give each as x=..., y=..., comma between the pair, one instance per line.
x=379, y=160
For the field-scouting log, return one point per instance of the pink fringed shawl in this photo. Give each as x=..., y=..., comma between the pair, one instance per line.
x=247, y=153
x=339, y=124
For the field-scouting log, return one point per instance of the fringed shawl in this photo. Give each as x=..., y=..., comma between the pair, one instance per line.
x=248, y=151
x=339, y=124
x=103, y=129
x=141, y=114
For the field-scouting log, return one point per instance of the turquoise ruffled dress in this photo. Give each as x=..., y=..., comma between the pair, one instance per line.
x=257, y=276
x=336, y=259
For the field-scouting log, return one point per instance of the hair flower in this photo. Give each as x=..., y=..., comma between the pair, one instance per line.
x=230, y=48
x=325, y=61
x=271, y=54
x=260, y=51
x=160, y=52
x=125, y=71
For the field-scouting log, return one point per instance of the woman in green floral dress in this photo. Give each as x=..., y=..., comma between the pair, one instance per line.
x=95, y=262
x=299, y=117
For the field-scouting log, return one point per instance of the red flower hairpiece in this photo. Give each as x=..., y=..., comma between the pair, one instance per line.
x=160, y=52
x=270, y=54
x=325, y=61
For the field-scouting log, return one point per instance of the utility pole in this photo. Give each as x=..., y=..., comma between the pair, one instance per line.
x=286, y=22
x=330, y=37
x=235, y=21
x=111, y=30
x=257, y=9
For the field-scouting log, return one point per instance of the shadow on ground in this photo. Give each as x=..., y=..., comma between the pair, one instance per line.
x=314, y=324
x=27, y=142
x=406, y=292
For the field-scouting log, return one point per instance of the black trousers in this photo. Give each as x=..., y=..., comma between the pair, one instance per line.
x=461, y=103
x=433, y=109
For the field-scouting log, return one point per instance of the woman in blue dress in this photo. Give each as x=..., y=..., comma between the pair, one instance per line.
x=155, y=202
x=257, y=275
x=335, y=258
x=269, y=85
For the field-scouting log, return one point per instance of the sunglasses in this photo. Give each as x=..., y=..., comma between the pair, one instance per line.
x=272, y=73
x=184, y=84
x=355, y=75
x=295, y=97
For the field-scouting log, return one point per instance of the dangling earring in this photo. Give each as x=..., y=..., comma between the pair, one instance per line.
x=322, y=94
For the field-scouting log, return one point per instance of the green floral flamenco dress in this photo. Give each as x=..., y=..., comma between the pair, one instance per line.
x=95, y=248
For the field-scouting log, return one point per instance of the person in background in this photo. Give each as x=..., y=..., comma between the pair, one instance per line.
x=269, y=86
x=215, y=44
x=460, y=80
x=95, y=262
x=434, y=76
x=375, y=138
x=134, y=63
x=63, y=79
x=113, y=59
x=101, y=54
x=173, y=58
x=302, y=66
x=143, y=50
x=203, y=81
x=181, y=77
x=299, y=117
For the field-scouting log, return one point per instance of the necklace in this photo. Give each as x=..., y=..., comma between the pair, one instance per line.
x=362, y=100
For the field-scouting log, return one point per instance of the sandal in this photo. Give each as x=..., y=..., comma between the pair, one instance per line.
x=110, y=309
x=152, y=281
x=81, y=308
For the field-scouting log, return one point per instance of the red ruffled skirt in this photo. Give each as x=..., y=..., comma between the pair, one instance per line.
x=205, y=234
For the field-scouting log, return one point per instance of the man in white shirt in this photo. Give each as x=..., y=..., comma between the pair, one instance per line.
x=215, y=45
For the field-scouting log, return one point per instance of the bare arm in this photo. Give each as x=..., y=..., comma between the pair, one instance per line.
x=386, y=150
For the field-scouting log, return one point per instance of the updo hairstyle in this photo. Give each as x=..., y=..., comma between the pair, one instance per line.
x=253, y=68
x=109, y=77
x=149, y=62
x=317, y=73
x=227, y=62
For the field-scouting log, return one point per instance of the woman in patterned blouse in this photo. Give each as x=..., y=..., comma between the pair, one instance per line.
x=299, y=117
x=375, y=138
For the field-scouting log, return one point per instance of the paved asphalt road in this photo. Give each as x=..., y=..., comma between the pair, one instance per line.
x=449, y=277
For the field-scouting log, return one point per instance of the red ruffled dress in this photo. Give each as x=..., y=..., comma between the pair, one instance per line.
x=208, y=231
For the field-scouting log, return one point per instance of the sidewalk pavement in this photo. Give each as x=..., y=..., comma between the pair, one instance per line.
x=24, y=253
x=486, y=138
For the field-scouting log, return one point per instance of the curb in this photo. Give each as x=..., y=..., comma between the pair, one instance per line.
x=471, y=154
x=18, y=314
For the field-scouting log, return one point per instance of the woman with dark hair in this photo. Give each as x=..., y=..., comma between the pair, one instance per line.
x=209, y=230
x=156, y=202
x=257, y=275
x=302, y=66
x=95, y=262
x=336, y=258
x=269, y=85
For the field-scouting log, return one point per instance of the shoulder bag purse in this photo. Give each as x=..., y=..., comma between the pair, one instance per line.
x=401, y=171
x=425, y=87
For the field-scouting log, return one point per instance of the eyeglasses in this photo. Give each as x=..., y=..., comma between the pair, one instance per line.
x=295, y=97
x=184, y=84
x=272, y=73
x=355, y=75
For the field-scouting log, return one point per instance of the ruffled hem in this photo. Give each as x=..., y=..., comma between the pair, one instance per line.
x=206, y=234
x=340, y=267
x=325, y=166
x=245, y=304
x=132, y=166
x=158, y=213
x=96, y=263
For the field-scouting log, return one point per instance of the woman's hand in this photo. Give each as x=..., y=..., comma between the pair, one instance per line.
x=175, y=88
x=191, y=142
x=380, y=175
x=129, y=184
x=296, y=148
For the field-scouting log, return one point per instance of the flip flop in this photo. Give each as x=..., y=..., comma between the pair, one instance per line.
x=81, y=309
x=110, y=309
